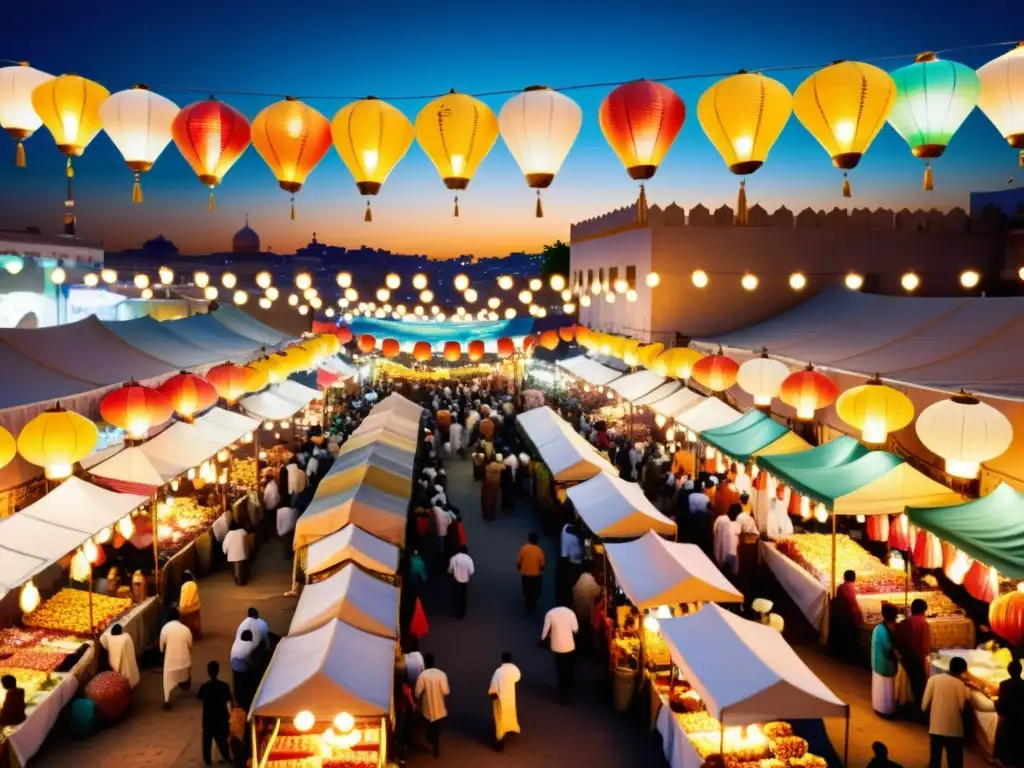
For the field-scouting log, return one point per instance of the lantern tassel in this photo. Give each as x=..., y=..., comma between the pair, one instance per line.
x=456, y=214
x=540, y=208
x=929, y=180
x=213, y=203
x=369, y=212
x=846, y=185
x=741, y=205
x=19, y=157
x=1020, y=159
x=293, y=207
x=70, y=170
x=137, y=189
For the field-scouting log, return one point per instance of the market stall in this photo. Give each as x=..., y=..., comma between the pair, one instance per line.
x=386, y=457
x=389, y=421
x=751, y=435
x=736, y=681
x=541, y=425
x=634, y=386
x=400, y=405
x=352, y=544
x=372, y=473
x=326, y=697
x=663, y=392
x=678, y=402
x=357, y=442
x=613, y=508
x=376, y=512
x=707, y=414
x=571, y=458
x=353, y=596
x=590, y=371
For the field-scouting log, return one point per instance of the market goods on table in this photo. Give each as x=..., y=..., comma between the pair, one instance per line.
x=279, y=454
x=939, y=605
x=37, y=659
x=243, y=472
x=29, y=680
x=181, y=522
x=985, y=669
x=68, y=611
x=13, y=639
x=813, y=553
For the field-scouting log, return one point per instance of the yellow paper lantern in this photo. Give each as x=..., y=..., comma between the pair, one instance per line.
x=676, y=362
x=29, y=598
x=371, y=136
x=80, y=567
x=138, y=121
x=17, y=115
x=844, y=106
x=56, y=440
x=875, y=409
x=258, y=376
x=8, y=447
x=456, y=131
x=69, y=107
x=743, y=116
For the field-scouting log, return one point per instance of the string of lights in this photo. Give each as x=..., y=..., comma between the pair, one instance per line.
x=172, y=87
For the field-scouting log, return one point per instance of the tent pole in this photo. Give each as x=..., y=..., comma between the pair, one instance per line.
x=846, y=742
x=156, y=550
x=832, y=591
x=294, y=591
x=721, y=731
x=92, y=625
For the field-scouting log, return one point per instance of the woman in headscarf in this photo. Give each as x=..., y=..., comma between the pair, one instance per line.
x=188, y=605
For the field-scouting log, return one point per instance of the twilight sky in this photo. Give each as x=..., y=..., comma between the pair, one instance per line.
x=401, y=48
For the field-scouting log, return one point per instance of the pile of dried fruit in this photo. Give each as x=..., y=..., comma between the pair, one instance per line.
x=813, y=553
x=68, y=611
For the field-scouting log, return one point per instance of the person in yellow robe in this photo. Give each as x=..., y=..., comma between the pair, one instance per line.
x=188, y=605
x=503, y=700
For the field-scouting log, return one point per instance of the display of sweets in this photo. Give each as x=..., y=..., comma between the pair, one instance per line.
x=181, y=521
x=788, y=747
x=813, y=553
x=243, y=472
x=697, y=722
x=939, y=606
x=37, y=659
x=68, y=611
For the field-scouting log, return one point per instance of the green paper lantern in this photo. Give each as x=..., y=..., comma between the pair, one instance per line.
x=933, y=98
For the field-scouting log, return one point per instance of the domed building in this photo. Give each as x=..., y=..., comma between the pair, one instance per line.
x=245, y=240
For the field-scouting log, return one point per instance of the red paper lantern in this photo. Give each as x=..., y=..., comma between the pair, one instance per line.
x=549, y=340
x=189, y=394
x=1006, y=617
x=878, y=527
x=367, y=343
x=927, y=550
x=211, y=136
x=529, y=342
x=452, y=351
x=567, y=334
x=717, y=372
x=640, y=120
x=475, y=350
x=899, y=533
x=344, y=334
x=421, y=351
x=807, y=391
x=390, y=348
x=982, y=582
x=135, y=408
x=229, y=380
x=506, y=347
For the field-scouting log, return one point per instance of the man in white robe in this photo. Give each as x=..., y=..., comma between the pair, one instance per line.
x=503, y=700
x=121, y=653
x=176, y=646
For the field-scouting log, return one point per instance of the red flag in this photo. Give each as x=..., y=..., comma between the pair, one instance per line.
x=418, y=626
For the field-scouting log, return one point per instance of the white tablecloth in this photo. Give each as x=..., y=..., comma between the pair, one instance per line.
x=679, y=752
x=809, y=594
x=40, y=718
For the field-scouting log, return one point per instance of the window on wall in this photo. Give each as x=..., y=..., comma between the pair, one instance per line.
x=631, y=276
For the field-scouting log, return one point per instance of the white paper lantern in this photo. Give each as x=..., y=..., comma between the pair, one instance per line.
x=539, y=126
x=762, y=377
x=1002, y=95
x=17, y=115
x=964, y=432
x=138, y=121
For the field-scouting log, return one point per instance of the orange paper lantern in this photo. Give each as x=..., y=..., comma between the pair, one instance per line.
x=640, y=120
x=229, y=380
x=1006, y=617
x=189, y=394
x=475, y=351
x=899, y=533
x=878, y=527
x=567, y=334
x=808, y=391
x=582, y=334
x=717, y=372
x=390, y=348
x=421, y=351
x=135, y=408
x=529, y=342
x=927, y=550
x=344, y=334
x=982, y=582
x=506, y=347
x=549, y=339
x=367, y=343
x=452, y=351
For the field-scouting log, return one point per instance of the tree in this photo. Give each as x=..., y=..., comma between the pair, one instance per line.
x=556, y=259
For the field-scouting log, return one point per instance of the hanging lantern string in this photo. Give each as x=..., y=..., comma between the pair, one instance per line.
x=575, y=87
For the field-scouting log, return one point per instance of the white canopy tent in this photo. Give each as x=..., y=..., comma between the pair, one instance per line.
x=709, y=414
x=352, y=595
x=269, y=406
x=745, y=672
x=374, y=511
x=654, y=572
x=589, y=370
x=660, y=393
x=294, y=392
x=675, y=404
x=401, y=405
x=333, y=669
x=542, y=424
x=616, y=509
x=225, y=426
x=335, y=364
x=59, y=523
x=352, y=544
x=633, y=386
x=133, y=468
x=183, y=445
x=572, y=459
x=379, y=454
x=390, y=421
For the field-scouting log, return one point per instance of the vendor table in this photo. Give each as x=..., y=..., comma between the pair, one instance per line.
x=679, y=751
x=983, y=709
x=196, y=556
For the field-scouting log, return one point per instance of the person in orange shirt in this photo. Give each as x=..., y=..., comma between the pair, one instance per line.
x=683, y=463
x=531, y=563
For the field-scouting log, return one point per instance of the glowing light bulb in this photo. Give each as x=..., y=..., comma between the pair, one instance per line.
x=426, y=296
x=699, y=278
x=749, y=282
x=854, y=282
x=419, y=281
x=141, y=281
x=91, y=280
x=910, y=282
x=108, y=276
x=584, y=300
x=525, y=297
x=264, y=279
x=265, y=303
x=797, y=281
x=621, y=286
x=630, y=295
x=58, y=276
x=557, y=283
x=653, y=279
x=383, y=294
x=505, y=282
x=201, y=279
x=304, y=721
x=494, y=302
x=146, y=293
x=271, y=293
x=303, y=281
x=510, y=313
x=969, y=278
x=470, y=295
x=240, y=297
x=228, y=280
x=210, y=293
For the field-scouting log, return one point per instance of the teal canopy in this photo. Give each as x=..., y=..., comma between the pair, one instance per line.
x=835, y=453
x=828, y=485
x=990, y=529
x=745, y=436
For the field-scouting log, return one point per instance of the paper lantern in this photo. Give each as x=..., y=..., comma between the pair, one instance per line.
x=229, y=380
x=8, y=447
x=29, y=598
x=366, y=343
x=649, y=354
x=548, y=339
x=964, y=432
x=506, y=347
x=1002, y=95
x=677, y=362
x=875, y=409
x=456, y=131
x=138, y=121
x=17, y=115
x=371, y=136
x=982, y=582
x=567, y=333
x=211, y=136
x=933, y=98
x=762, y=377
x=452, y=351
x=743, y=116
x=331, y=342
x=135, y=409
x=257, y=376
x=844, y=106
x=808, y=391
x=475, y=350
x=390, y=348
x=1006, y=616
x=927, y=550
x=717, y=372
x=69, y=107
x=640, y=120
x=189, y=394
x=539, y=126
x=344, y=334
x=56, y=440
x=421, y=351
x=899, y=533
x=878, y=528
x=80, y=567
x=292, y=138
x=529, y=342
